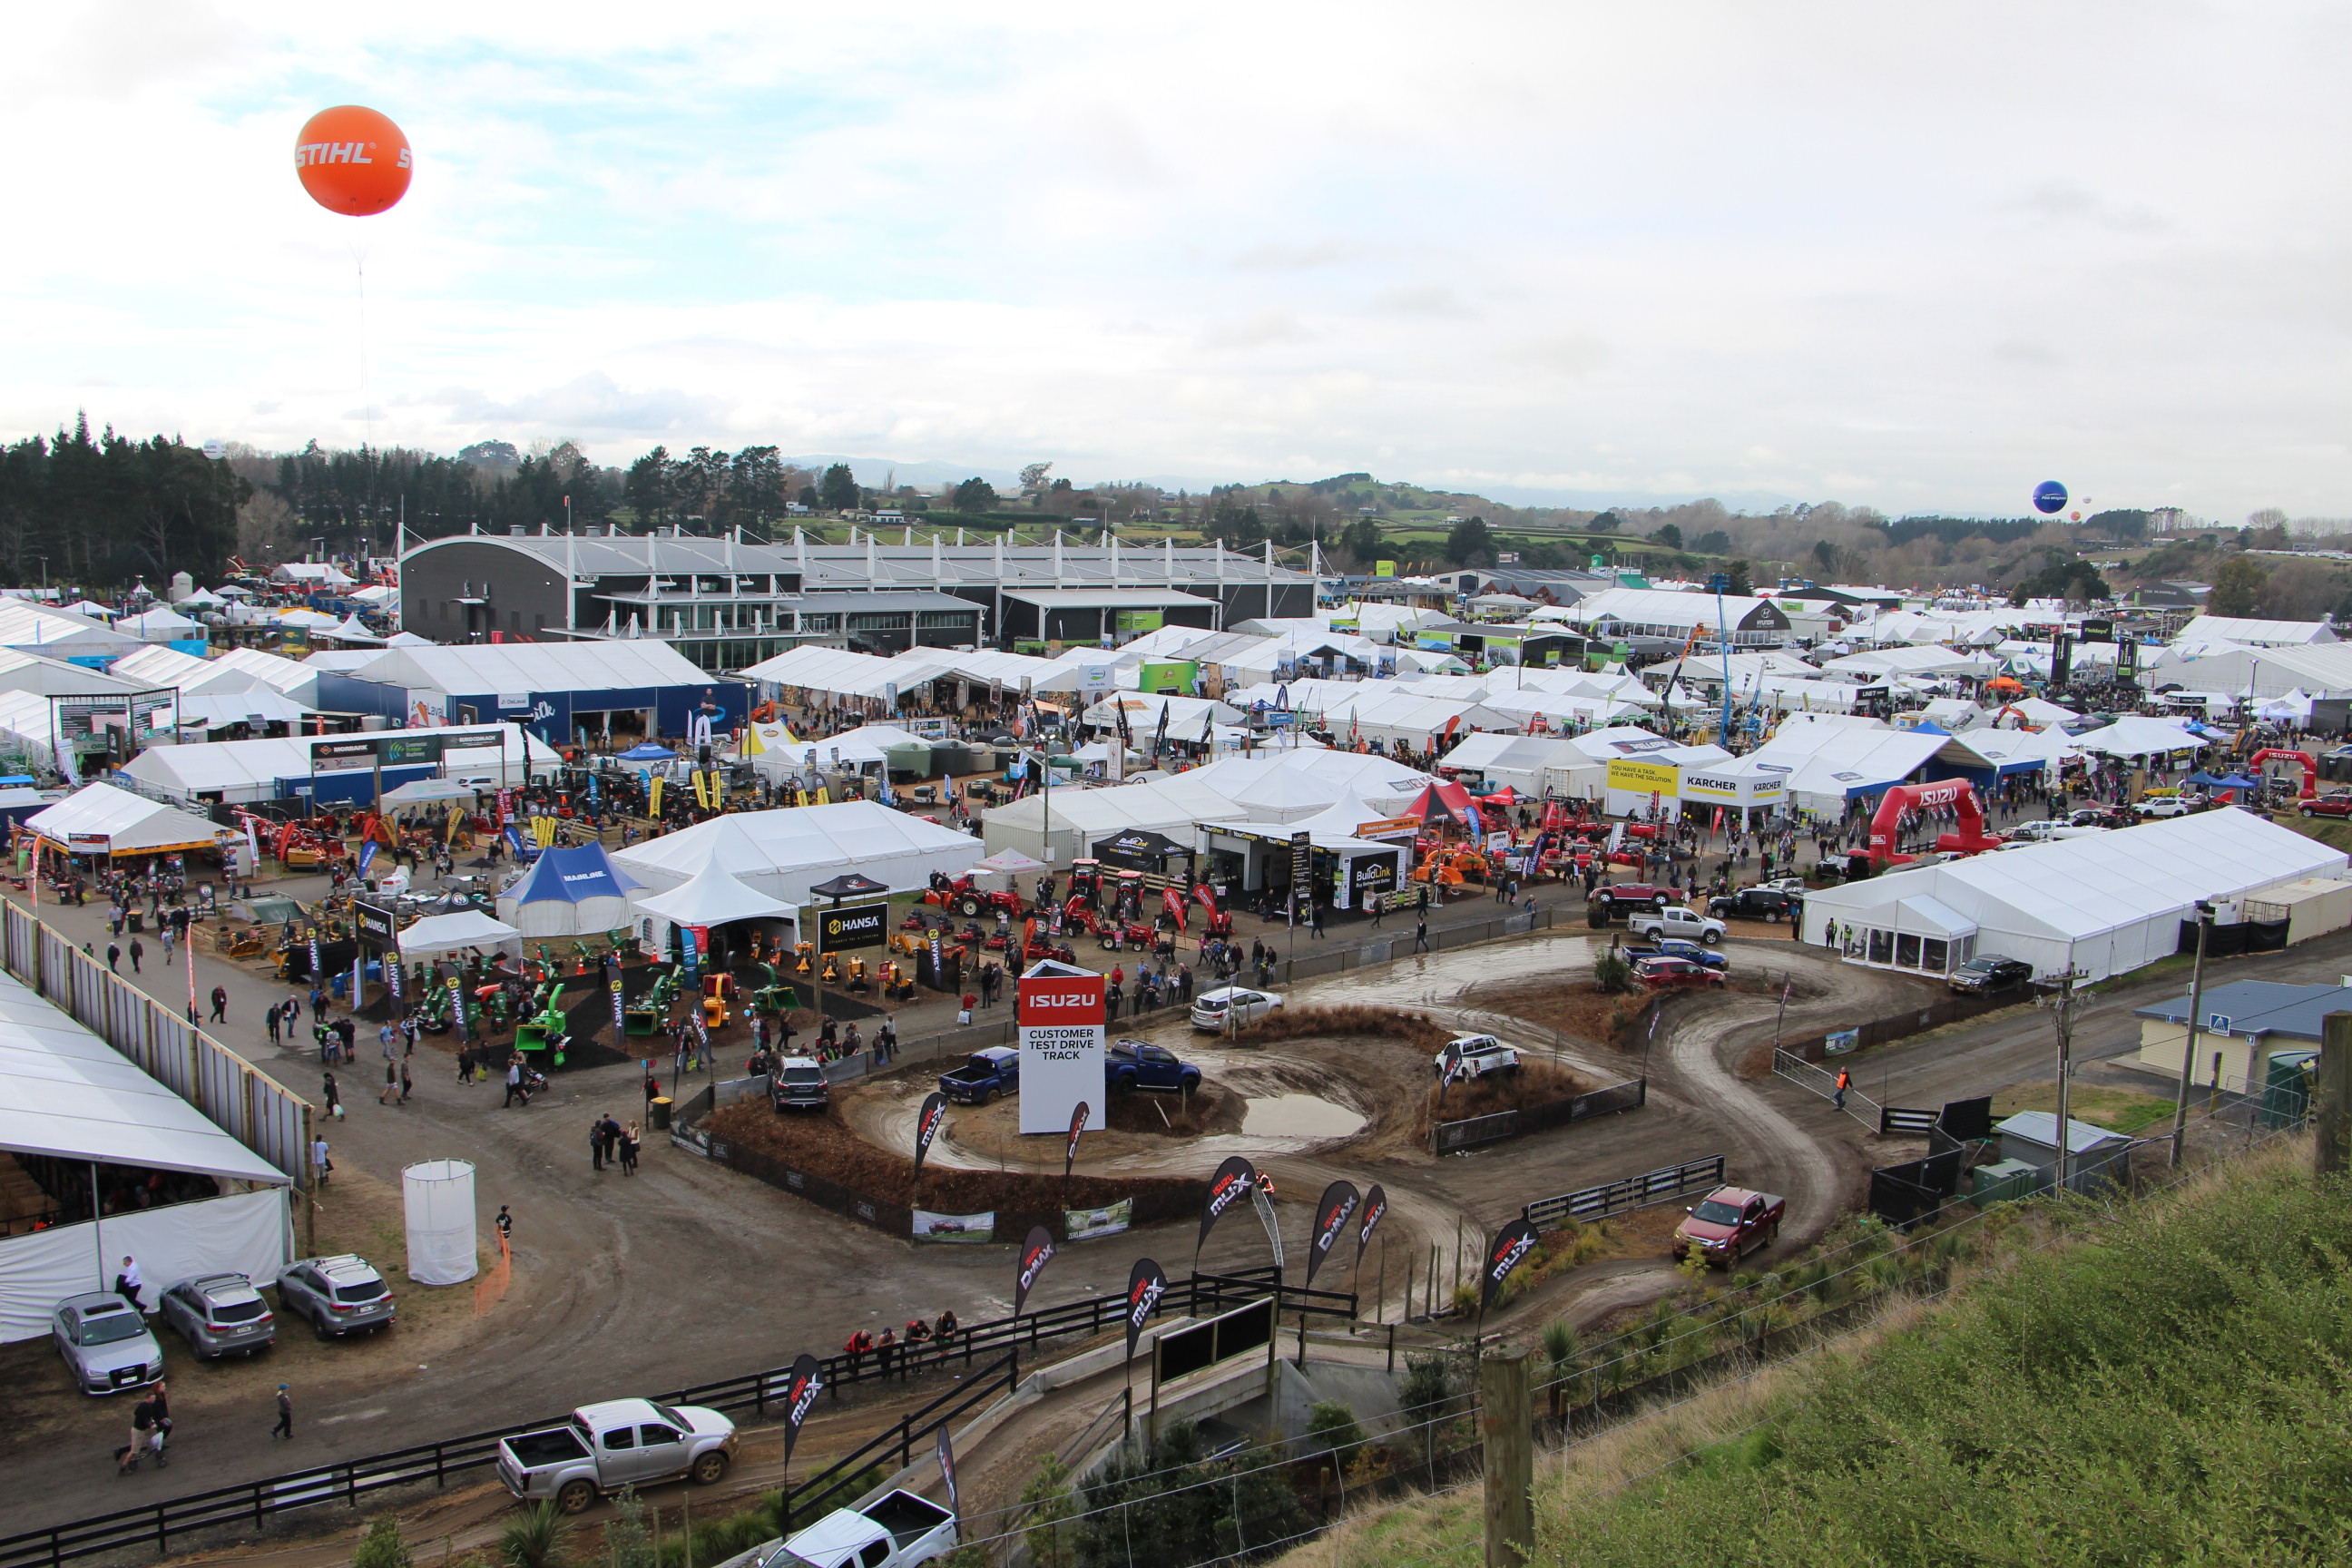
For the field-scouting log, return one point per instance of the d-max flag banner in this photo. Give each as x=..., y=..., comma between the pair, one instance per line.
x=1234, y=1180
x=1036, y=1253
x=1331, y=1214
x=1265, y=1216
x=947, y=1473
x=1078, y=1130
x=1376, y=1204
x=1505, y=1252
x=801, y=1389
x=1146, y=1283
x=928, y=1122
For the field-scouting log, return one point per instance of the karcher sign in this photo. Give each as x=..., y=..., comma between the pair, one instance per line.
x=1660, y=779
x=1734, y=791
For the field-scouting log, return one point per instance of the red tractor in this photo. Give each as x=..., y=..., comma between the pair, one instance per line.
x=962, y=896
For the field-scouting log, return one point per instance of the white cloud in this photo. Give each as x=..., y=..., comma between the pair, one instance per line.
x=1639, y=246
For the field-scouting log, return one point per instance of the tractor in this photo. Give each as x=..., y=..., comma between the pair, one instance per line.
x=969, y=901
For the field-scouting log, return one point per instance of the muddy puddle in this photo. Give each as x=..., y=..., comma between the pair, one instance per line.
x=1298, y=1116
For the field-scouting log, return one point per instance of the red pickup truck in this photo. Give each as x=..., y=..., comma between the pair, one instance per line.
x=1729, y=1223
x=2327, y=805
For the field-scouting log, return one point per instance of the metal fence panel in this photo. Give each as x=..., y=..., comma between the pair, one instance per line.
x=1627, y=1194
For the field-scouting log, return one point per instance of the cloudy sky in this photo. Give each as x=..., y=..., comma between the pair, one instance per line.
x=1917, y=257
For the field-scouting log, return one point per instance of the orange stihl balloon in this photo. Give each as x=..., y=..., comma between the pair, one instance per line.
x=353, y=160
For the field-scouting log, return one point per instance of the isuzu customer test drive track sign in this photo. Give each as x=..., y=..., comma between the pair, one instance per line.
x=1061, y=1050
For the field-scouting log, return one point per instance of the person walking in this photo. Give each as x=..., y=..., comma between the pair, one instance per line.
x=138, y=951
x=1420, y=934
x=160, y=1396
x=514, y=1082
x=505, y=1222
x=220, y=1004
x=405, y=1084
x=285, y=1427
x=113, y=953
x=142, y=1422
x=273, y=1017
x=333, y=1095
x=322, y=1165
x=171, y=936
x=1314, y=918
x=1844, y=1083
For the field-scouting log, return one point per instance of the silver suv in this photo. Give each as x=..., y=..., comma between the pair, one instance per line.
x=105, y=1340
x=220, y=1314
x=340, y=1295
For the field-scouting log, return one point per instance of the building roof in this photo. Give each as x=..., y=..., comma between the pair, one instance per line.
x=2246, y=1008
x=67, y=1094
x=479, y=667
x=2261, y=634
x=784, y=853
x=240, y=765
x=124, y=821
x=1108, y=598
x=2041, y=1127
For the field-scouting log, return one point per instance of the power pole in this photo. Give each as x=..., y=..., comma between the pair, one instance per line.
x=2188, y=1047
x=2062, y=1013
x=2333, y=1111
x=1508, y=1417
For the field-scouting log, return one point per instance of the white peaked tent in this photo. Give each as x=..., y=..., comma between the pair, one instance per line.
x=713, y=898
x=451, y=934
x=997, y=873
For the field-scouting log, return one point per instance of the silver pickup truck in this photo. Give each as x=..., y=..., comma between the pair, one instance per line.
x=899, y=1531
x=619, y=1443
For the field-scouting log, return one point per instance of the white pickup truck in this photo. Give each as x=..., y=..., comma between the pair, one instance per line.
x=1479, y=1054
x=619, y=1443
x=900, y=1530
x=1678, y=920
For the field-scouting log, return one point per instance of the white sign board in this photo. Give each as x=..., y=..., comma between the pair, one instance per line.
x=1061, y=1051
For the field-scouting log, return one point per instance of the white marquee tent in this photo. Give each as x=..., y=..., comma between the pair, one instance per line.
x=784, y=853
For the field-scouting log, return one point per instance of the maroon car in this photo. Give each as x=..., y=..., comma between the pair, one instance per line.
x=2327, y=805
x=1659, y=973
x=1619, y=897
x=1729, y=1223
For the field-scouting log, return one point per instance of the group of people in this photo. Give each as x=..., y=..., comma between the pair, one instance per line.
x=610, y=1144
x=898, y=1351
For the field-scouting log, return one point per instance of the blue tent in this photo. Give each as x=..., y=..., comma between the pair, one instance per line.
x=646, y=751
x=569, y=892
x=1928, y=727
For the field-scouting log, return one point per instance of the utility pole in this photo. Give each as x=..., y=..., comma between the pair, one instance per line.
x=1508, y=1417
x=2333, y=1113
x=2062, y=1012
x=2188, y=1047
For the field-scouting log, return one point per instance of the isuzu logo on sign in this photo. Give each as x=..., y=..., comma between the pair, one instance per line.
x=1061, y=1051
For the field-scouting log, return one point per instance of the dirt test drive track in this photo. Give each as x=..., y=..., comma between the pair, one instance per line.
x=689, y=1272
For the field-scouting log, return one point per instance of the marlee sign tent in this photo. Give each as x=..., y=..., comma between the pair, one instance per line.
x=569, y=892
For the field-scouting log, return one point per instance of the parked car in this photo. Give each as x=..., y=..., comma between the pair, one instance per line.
x=340, y=1294
x=2181, y=806
x=1680, y=920
x=1136, y=1064
x=1230, y=1006
x=2339, y=805
x=983, y=1076
x=1729, y=1223
x=619, y=1443
x=1479, y=1054
x=2032, y=832
x=1770, y=905
x=900, y=1530
x=1660, y=972
x=105, y=1342
x=1990, y=971
x=799, y=1085
x=1616, y=898
x=1675, y=947
x=220, y=1314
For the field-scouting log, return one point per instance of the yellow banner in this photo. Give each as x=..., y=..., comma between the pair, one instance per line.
x=1662, y=779
x=653, y=798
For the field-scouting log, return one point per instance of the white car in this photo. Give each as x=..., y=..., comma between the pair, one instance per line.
x=1231, y=1007
x=1479, y=1054
x=2165, y=805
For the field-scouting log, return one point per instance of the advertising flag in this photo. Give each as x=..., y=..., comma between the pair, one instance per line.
x=1505, y=1252
x=1036, y=1253
x=947, y=1473
x=1376, y=1204
x=801, y=1389
x=1078, y=1130
x=1265, y=1216
x=1234, y=1180
x=1146, y=1283
x=928, y=1122
x=1332, y=1213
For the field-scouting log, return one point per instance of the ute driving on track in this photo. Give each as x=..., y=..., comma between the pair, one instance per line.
x=1477, y=1055
x=899, y=1531
x=1137, y=1064
x=1729, y=1223
x=619, y=1443
x=989, y=1073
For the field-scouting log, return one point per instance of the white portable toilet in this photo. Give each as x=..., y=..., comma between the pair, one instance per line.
x=439, y=1201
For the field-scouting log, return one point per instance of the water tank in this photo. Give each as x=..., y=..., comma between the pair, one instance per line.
x=439, y=1201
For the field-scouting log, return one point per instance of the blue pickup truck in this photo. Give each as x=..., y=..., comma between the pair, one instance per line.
x=989, y=1073
x=1132, y=1064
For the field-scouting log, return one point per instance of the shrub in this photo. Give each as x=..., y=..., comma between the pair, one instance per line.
x=1334, y=1425
x=1611, y=974
x=380, y=1546
x=536, y=1537
x=1047, y=1534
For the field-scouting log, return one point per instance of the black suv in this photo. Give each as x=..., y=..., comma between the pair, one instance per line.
x=1770, y=905
x=1990, y=971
